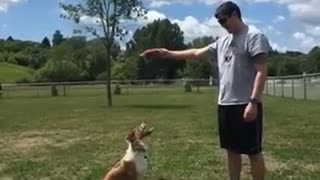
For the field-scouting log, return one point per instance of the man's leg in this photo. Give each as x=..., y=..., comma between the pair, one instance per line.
x=234, y=165
x=257, y=166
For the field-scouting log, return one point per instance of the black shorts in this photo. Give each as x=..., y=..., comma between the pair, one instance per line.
x=237, y=135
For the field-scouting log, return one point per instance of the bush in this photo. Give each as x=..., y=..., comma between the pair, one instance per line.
x=59, y=71
x=24, y=80
x=54, y=90
x=117, y=89
x=187, y=86
x=102, y=76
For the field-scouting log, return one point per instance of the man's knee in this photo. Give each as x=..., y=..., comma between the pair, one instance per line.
x=257, y=156
x=233, y=154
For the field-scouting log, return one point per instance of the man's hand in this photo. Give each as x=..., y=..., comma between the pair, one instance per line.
x=250, y=112
x=156, y=52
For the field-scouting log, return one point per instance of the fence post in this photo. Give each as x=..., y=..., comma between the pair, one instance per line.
x=0, y=90
x=38, y=91
x=292, y=90
x=64, y=90
x=267, y=87
x=282, y=87
x=274, y=87
x=304, y=86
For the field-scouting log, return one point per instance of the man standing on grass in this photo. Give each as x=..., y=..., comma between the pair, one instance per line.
x=242, y=64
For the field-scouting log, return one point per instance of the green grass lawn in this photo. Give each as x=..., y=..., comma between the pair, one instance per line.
x=10, y=73
x=78, y=137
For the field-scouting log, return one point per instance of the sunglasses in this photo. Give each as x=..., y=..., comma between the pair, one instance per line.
x=222, y=20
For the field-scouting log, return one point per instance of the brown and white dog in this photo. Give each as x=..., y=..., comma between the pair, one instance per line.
x=134, y=163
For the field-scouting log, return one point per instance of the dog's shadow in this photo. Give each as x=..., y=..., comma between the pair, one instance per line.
x=159, y=106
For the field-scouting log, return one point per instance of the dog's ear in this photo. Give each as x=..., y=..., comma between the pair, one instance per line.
x=139, y=133
x=143, y=132
x=146, y=133
x=131, y=137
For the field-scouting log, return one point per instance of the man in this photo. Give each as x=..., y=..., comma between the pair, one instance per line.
x=242, y=65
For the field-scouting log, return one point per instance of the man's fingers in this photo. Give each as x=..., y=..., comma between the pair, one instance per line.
x=248, y=116
x=150, y=53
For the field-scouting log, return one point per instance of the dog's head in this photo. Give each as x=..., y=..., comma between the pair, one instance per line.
x=136, y=138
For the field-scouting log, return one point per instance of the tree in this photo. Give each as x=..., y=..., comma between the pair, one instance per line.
x=57, y=71
x=46, y=43
x=160, y=33
x=124, y=69
x=10, y=38
x=71, y=53
x=107, y=15
x=201, y=68
x=57, y=38
x=284, y=64
x=313, y=60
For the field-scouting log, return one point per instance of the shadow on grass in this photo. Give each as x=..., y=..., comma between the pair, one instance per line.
x=159, y=106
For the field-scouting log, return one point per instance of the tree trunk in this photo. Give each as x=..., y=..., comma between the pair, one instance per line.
x=109, y=95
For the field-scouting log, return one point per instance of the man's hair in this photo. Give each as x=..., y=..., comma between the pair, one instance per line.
x=227, y=8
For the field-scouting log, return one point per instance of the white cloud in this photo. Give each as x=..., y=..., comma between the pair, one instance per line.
x=159, y=3
x=305, y=11
x=151, y=16
x=87, y=20
x=278, y=19
x=193, y=28
x=156, y=4
x=250, y=21
x=273, y=30
x=254, y=28
x=5, y=4
x=313, y=30
x=299, y=35
x=208, y=27
x=277, y=47
x=277, y=1
x=307, y=42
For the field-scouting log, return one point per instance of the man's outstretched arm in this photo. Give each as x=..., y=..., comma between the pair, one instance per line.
x=194, y=53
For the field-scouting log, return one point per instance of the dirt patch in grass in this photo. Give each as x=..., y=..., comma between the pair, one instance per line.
x=311, y=167
x=6, y=178
x=271, y=164
x=274, y=165
x=2, y=166
x=26, y=141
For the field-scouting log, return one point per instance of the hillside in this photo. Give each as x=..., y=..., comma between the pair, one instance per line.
x=10, y=73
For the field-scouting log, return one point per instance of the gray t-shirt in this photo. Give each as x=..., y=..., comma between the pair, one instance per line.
x=236, y=64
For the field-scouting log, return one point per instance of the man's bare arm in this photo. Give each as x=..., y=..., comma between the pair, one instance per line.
x=261, y=67
x=193, y=53
x=189, y=53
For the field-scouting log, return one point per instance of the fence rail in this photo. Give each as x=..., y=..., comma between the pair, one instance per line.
x=98, y=87
x=306, y=86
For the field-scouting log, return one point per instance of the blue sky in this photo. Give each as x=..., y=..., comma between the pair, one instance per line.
x=289, y=24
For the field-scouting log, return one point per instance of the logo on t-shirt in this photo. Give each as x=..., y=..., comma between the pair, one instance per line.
x=227, y=58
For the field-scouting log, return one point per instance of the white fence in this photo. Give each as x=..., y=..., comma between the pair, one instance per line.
x=306, y=86
x=92, y=88
x=299, y=87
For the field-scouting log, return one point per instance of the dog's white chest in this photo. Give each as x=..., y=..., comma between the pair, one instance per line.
x=139, y=159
